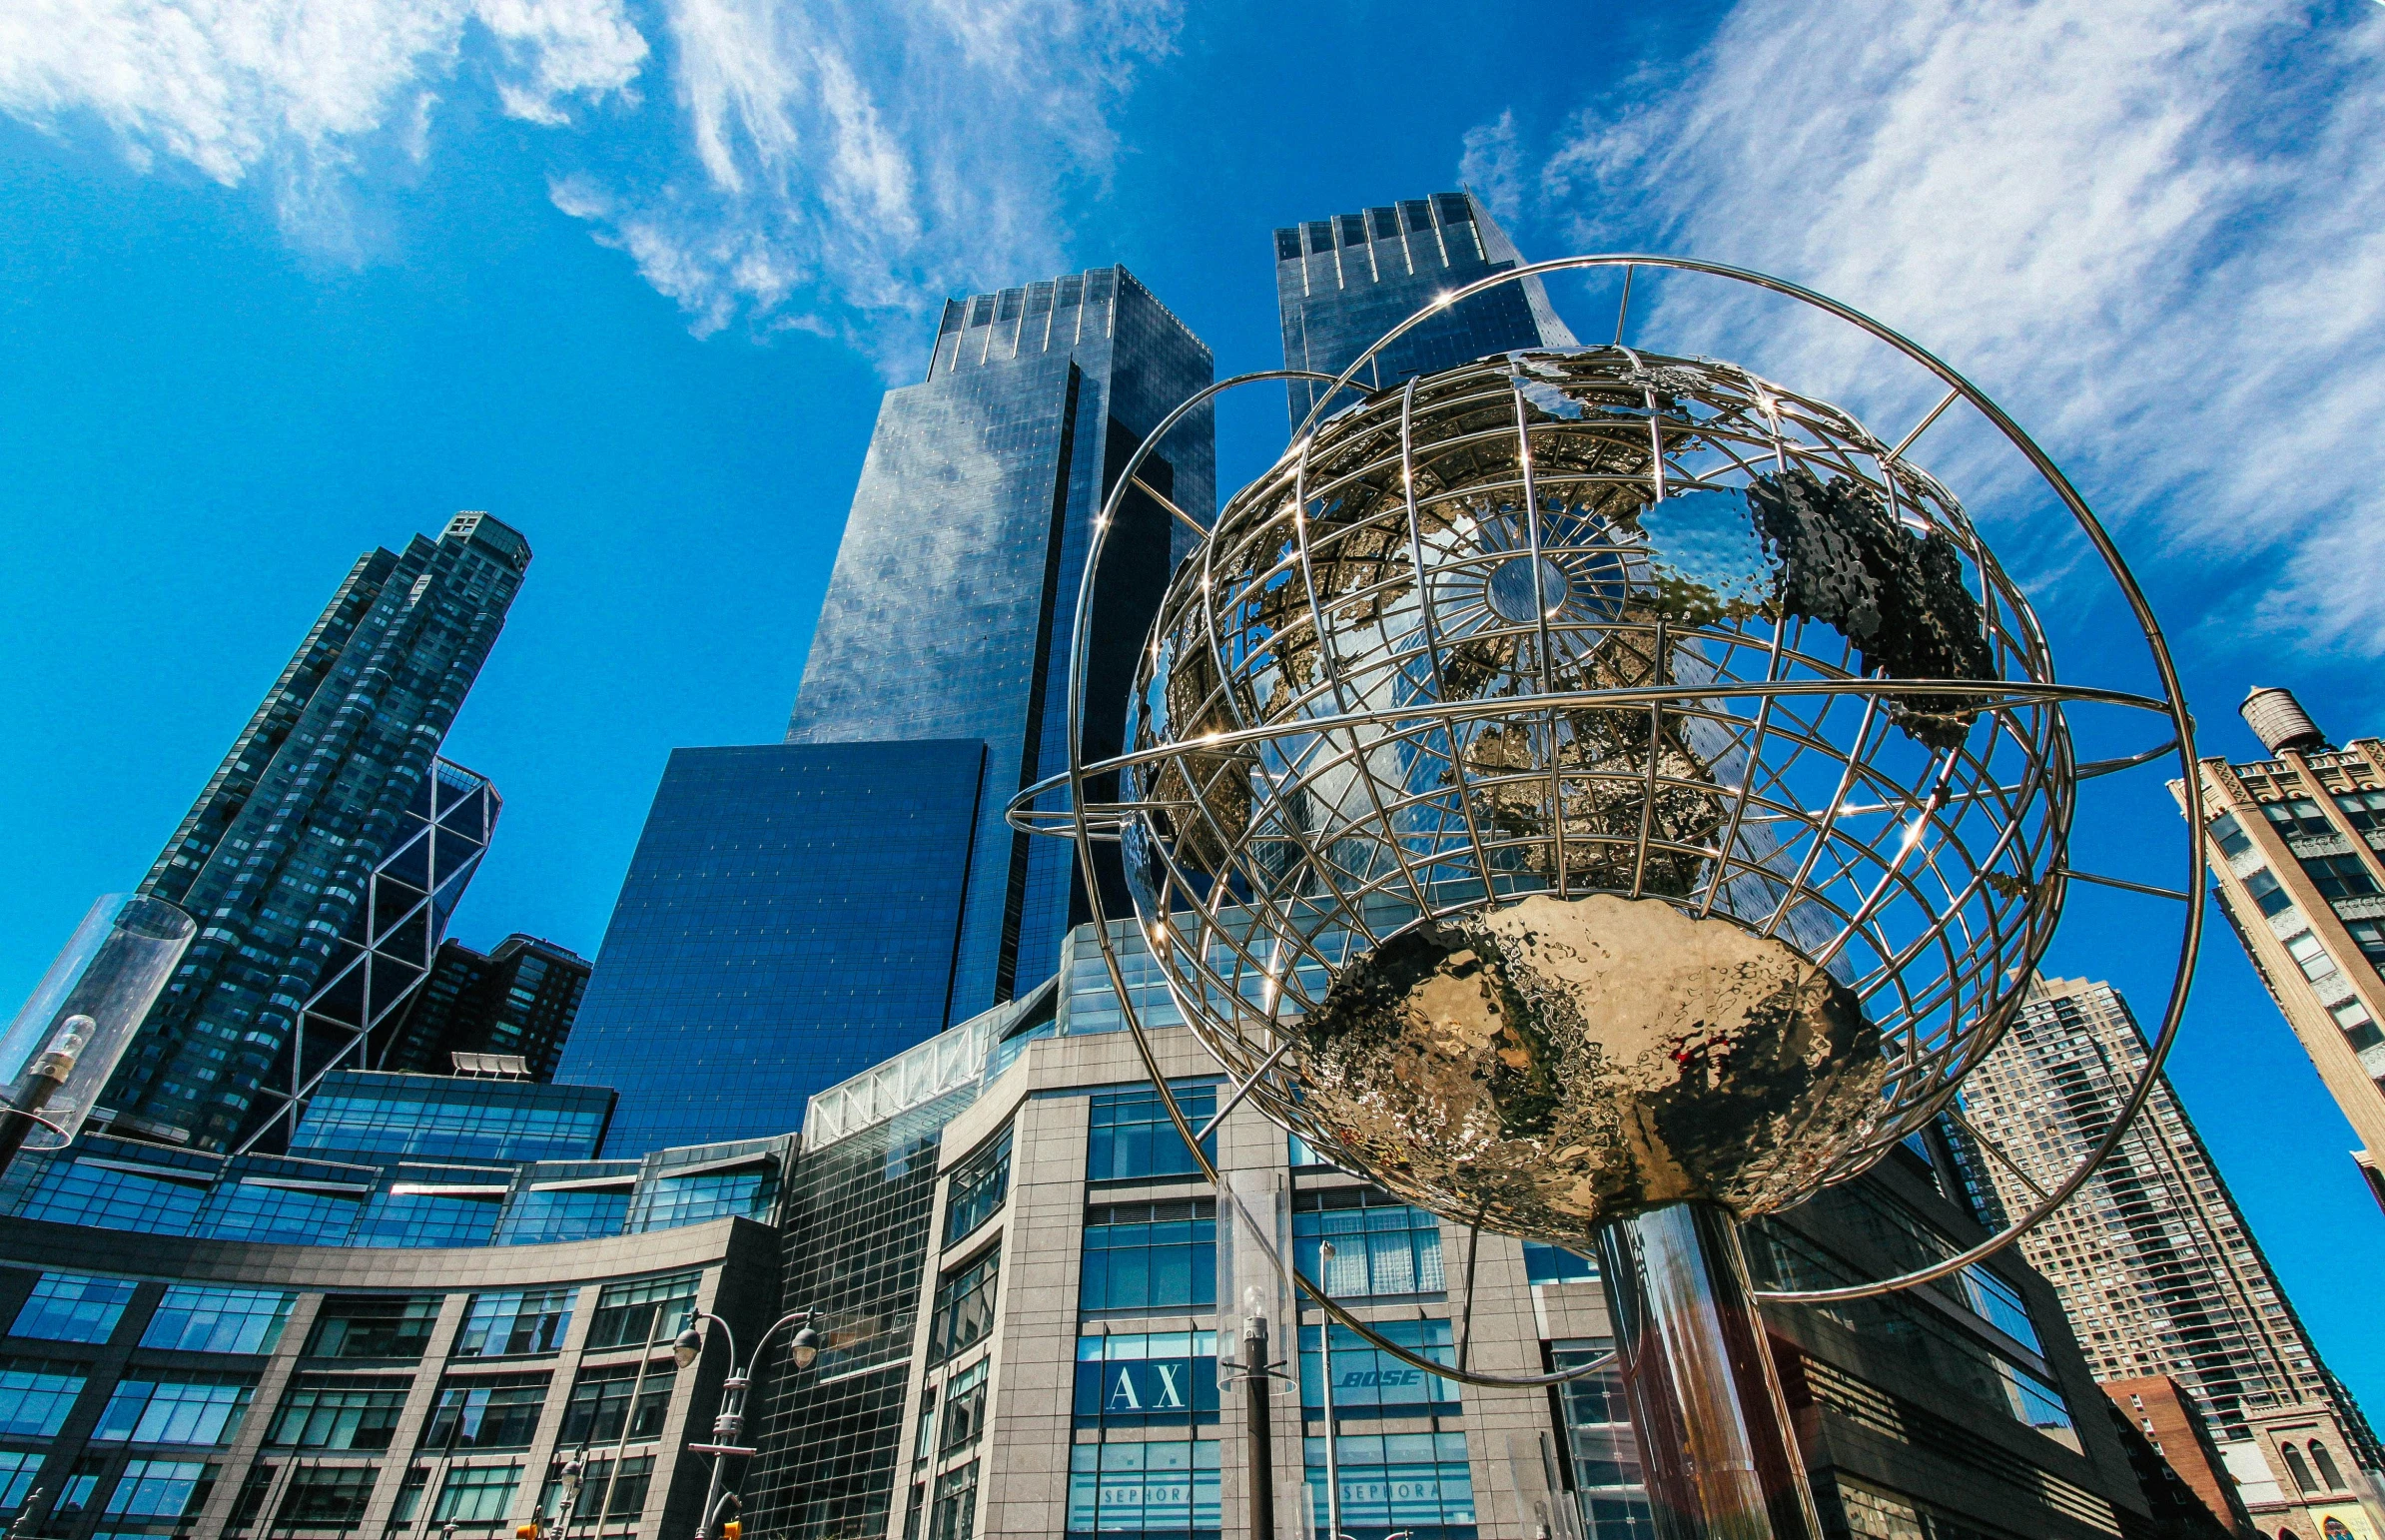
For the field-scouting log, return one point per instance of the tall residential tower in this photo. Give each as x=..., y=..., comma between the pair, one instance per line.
x=277, y=856
x=2294, y=849
x=2157, y=1268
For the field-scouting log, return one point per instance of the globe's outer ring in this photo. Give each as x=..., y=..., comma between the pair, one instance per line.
x=2172, y=704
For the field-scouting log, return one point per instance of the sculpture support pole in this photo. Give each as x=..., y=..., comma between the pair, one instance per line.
x=1719, y=1458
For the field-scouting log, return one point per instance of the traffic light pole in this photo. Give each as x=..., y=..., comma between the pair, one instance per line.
x=731, y=1422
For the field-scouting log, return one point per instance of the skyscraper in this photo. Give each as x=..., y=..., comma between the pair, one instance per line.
x=787, y=921
x=518, y=998
x=2156, y=1265
x=2293, y=845
x=1340, y=282
x=953, y=603
x=276, y=857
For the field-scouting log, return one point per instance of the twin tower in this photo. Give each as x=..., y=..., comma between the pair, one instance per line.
x=798, y=912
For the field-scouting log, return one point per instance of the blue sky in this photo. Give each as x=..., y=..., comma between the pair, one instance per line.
x=296, y=281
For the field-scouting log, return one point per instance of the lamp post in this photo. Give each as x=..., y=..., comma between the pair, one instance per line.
x=726, y=1427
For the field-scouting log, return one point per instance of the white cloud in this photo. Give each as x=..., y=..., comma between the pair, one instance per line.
x=2154, y=229
x=1492, y=163
x=818, y=163
x=304, y=90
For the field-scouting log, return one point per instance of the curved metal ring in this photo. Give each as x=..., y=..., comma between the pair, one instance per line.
x=64, y=1138
x=2174, y=702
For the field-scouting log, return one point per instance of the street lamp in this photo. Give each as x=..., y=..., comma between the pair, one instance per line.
x=803, y=1351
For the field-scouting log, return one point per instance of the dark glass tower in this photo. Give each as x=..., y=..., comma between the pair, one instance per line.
x=277, y=855
x=1340, y=282
x=950, y=613
x=787, y=921
x=519, y=999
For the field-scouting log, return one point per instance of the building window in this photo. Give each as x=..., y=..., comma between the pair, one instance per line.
x=1132, y=1139
x=2298, y=818
x=166, y=1490
x=1153, y=1256
x=1380, y=1245
x=964, y=1307
x=67, y=1191
x=374, y=1326
x=533, y=1217
x=2309, y=956
x=186, y=1409
x=978, y=1189
x=964, y=1408
x=2369, y=936
x=18, y=1467
x=2364, y=810
x=1368, y=1383
x=2301, y=1467
x=75, y=1495
x=73, y=1307
x=493, y=1411
x=193, y=1319
x=249, y=1211
x=338, y=1412
x=598, y=1497
x=1555, y=1265
x=1419, y=1482
x=2230, y=836
x=600, y=1402
x=516, y=1322
x=2326, y=1464
x=2000, y=1304
x=1604, y=1452
x=320, y=1496
x=2339, y=877
x=1147, y=1378
x=955, y=1514
x=35, y=1395
x=2358, y=1029
x=428, y=1220
x=477, y=1494
x=651, y=1310
x=1161, y=1488
x=2267, y=894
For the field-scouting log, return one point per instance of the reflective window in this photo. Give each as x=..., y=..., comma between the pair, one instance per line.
x=35, y=1395
x=669, y=1202
x=2309, y=956
x=182, y=1409
x=2298, y=818
x=2267, y=892
x=2339, y=877
x=2230, y=835
x=955, y=1515
x=161, y=1489
x=964, y=1408
x=1555, y=1265
x=251, y=1211
x=428, y=1219
x=73, y=1307
x=444, y=1117
x=1147, y=1378
x=374, y=1326
x=477, y=1494
x=1161, y=1488
x=1149, y=1257
x=2000, y=1303
x=600, y=1499
x=516, y=1322
x=651, y=1310
x=338, y=1412
x=197, y=1319
x=18, y=1467
x=317, y=1496
x=1380, y=1245
x=1368, y=1383
x=490, y=1411
x=1132, y=1139
x=601, y=1397
x=1419, y=1482
x=964, y=1307
x=2364, y=809
x=1604, y=1452
x=2369, y=936
x=69, y=1192
x=978, y=1188
x=535, y=1218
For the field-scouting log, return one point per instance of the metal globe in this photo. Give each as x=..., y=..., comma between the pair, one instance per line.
x=1586, y=780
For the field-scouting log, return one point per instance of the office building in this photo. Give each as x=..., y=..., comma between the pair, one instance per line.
x=2162, y=1414
x=518, y=998
x=789, y=919
x=1343, y=282
x=2157, y=1268
x=277, y=855
x=1027, y=1255
x=2293, y=843
x=952, y=607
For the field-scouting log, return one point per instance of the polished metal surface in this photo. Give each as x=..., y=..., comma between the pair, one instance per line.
x=1714, y=1442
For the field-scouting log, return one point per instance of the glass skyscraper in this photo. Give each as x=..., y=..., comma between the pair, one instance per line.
x=788, y=920
x=277, y=856
x=519, y=999
x=950, y=613
x=1340, y=282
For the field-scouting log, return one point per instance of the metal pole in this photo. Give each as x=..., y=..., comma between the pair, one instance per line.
x=637, y=1388
x=1325, y=1341
x=1261, y=1441
x=1716, y=1448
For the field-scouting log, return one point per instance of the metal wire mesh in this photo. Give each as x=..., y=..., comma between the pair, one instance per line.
x=1598, y=621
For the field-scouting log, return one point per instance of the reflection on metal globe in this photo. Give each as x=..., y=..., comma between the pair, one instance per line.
x=1543, y=1066
x=1586, y=779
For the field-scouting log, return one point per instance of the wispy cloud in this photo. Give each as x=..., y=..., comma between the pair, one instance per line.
x=2153, y=228
x=816, y=162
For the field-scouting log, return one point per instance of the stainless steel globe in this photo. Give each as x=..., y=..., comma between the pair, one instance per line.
x=1587, y=780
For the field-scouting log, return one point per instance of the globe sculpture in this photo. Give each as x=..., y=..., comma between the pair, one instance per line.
x=1600, y=769
x=1603, y=797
